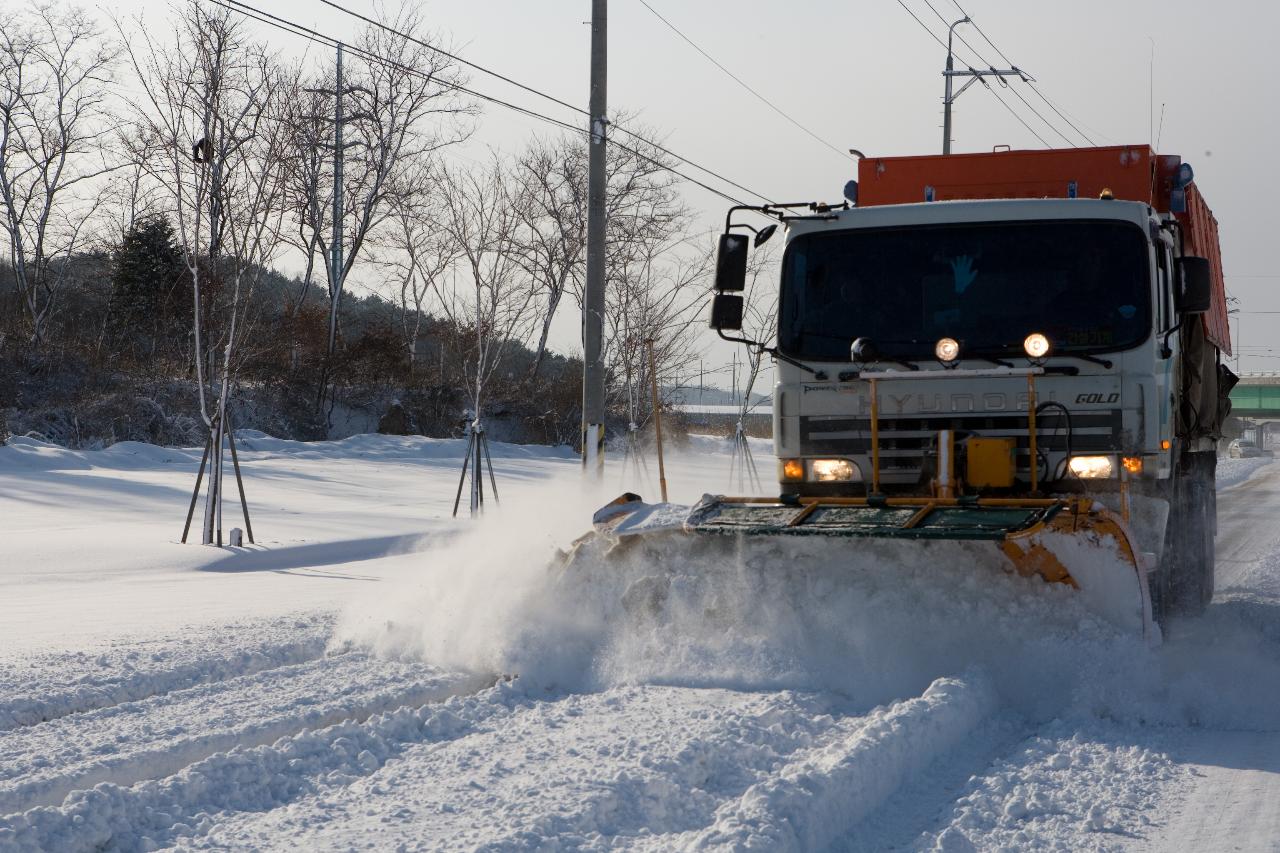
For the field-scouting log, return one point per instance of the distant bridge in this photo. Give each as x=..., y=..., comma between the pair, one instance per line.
x=1257, y=396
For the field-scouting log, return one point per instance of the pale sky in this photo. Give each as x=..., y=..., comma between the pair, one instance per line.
x=865, y=75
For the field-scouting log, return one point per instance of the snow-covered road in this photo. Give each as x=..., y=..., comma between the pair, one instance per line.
x=1234, y=803
x=344, y=685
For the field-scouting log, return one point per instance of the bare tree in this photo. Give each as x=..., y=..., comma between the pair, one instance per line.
x=656, y=295
x=489, y=308
x=644, y=209
x=421, y=252
x=213, y=102
x=401, y=103
x=552, y=205
x=55, y=75
x=132, y=192
x=208, y=95
x=307, y=193
x=647, y=215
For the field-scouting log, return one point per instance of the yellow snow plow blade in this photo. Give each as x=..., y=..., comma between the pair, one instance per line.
x=1070, y=540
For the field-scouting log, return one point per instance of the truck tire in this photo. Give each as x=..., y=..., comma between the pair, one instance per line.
x=1205, y=497
x=1191, y=581
x=1158, y=584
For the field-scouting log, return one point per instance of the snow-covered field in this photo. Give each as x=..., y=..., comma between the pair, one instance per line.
x=374, y=674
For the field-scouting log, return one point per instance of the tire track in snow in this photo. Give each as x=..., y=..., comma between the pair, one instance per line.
x=1086, y=784
x=91, y=691
x=646, y=767
x=705, y=747
x=919, y=803
x=127, y=743
x=111, y=817
x=823, y=792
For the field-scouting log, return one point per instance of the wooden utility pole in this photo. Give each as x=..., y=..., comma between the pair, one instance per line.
x=335, y=248
x=593, y=299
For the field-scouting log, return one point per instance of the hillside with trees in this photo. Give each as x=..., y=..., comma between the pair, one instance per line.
x=141, y=296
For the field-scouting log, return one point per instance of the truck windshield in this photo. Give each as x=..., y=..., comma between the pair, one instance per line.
x=1084, y=284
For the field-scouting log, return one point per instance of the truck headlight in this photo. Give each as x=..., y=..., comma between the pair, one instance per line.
x=1036, y=345
x=1092, y=467
x=832, y=470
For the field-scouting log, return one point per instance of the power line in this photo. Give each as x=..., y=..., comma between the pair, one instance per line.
x=293, y=28
x=314, y=36
x=1015, y=92
x=392, y=30
x=374, y=22
x=1014, y=113
x=1002, y=101
x=1030, y=83
x=923, y=25
x=741, y=82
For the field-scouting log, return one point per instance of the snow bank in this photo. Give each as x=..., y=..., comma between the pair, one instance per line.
x=1233, y=471
x=390, y=447
x=31, y=454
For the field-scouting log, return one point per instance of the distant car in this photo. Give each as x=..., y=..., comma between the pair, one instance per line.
x=1242, y=449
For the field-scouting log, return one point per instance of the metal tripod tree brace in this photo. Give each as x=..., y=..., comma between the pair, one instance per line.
x=476, y=456
x=212, y=526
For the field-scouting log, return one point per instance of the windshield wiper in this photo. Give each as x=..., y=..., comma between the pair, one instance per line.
x=908, y=365
x=990, y=359
x=1084, y=356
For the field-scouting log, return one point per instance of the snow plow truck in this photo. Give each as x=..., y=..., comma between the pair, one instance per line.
x=1021, y=350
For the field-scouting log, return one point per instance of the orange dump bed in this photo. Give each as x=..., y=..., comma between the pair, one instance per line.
x=1130, y=172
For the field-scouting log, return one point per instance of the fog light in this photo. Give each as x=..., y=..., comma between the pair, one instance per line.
x=1132, y=464
x=1091, y=467
x=947, y=350
x=792, y=470
x=1036, y=345
x=831, y=470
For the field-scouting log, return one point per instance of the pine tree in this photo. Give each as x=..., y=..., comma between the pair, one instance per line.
x=149, y=305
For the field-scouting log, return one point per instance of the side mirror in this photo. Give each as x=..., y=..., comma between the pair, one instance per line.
x=726, y=312
x=1195, y=285
x=731, y=263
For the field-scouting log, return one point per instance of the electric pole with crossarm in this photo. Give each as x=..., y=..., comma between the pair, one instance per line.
x=974, y=75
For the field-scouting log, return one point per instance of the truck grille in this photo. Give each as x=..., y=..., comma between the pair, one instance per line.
x=905, y=440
